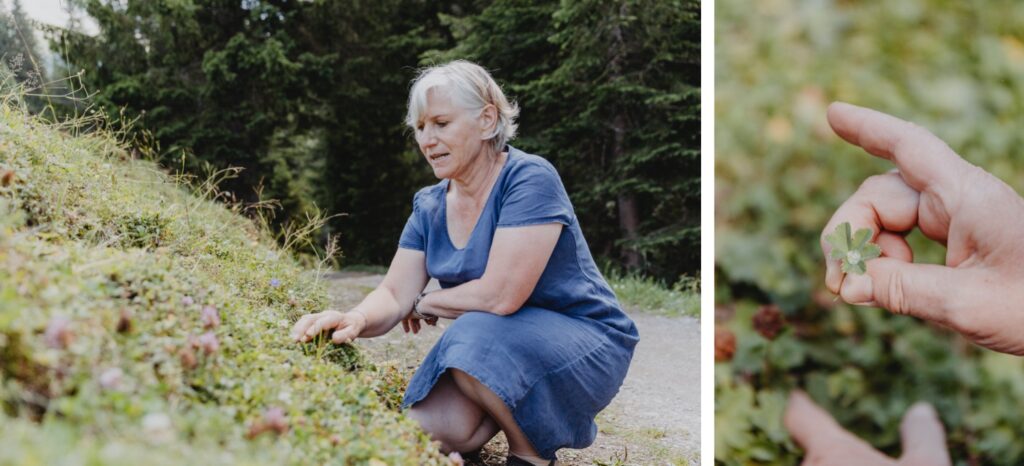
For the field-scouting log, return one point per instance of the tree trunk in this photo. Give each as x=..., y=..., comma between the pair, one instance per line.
x=629, y=216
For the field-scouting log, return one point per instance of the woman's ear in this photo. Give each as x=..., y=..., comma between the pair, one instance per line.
x=488, y=120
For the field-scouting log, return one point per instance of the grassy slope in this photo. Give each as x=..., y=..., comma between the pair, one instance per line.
x=91, y=242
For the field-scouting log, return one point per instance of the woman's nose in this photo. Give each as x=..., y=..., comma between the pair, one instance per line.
x=426, y=137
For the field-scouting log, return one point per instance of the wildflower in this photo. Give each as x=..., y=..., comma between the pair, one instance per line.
x=725, y=344
x=275, y=282
x=188, y=358
x=58, y=333
x=210, y=317
x=273, y=419
x=208, y=342
x=276, y=420
x=768, y=321
x=187, y=301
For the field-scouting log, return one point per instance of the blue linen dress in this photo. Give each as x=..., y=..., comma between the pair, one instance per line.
x=561, y=358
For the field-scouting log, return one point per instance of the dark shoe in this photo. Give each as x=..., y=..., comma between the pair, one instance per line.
x=473, y=458
x=514, y=460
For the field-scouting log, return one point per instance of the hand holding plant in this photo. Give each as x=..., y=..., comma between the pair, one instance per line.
x=975, y=215
x=346, y=326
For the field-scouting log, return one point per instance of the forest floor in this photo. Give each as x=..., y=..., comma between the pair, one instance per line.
x=655, y=418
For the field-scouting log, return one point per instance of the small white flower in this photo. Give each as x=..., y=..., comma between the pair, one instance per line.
x=853, y=257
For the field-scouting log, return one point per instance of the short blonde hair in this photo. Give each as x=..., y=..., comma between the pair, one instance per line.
x=472, y=88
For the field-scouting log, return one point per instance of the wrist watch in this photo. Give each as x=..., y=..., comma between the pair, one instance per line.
x=419, y=315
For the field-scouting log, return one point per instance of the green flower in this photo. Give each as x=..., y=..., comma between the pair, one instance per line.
x=853, y=250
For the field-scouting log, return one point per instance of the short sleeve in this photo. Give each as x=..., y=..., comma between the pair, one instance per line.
x=414, y=233
x=534, y=195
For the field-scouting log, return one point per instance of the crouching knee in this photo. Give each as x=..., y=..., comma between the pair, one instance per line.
x=453, y=434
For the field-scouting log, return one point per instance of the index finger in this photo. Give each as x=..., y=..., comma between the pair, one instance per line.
x=924, y=160
x=300, y=326
x=810, y=426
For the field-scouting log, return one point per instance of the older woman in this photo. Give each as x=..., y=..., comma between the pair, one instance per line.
x=539, y=343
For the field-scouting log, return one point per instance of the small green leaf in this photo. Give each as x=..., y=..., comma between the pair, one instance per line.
x=860, y=238
x=840, y=239
x=853, y=250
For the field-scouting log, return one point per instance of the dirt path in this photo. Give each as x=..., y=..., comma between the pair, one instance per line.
x=654, y=420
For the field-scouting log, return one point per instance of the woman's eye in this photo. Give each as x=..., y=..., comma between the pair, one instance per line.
x=442, y=123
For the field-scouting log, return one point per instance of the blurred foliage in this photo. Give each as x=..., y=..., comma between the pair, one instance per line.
x=143, y=323
x=955, y=68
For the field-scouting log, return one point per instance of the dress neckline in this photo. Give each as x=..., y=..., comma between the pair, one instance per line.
x=487, y=205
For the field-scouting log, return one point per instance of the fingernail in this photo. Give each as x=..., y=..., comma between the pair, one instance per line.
x=857, y=289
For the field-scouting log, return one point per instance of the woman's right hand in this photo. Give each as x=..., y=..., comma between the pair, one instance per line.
x=346, y=326
x=979, y=218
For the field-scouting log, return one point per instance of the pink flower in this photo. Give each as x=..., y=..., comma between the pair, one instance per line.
x=210, y=317
x=208, y=342
x=187, y=301
x=275, y=420
x=58, y=333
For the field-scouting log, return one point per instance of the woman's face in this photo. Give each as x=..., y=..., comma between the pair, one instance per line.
x=449, y=136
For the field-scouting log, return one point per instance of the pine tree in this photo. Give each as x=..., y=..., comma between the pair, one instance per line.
x=19, y=53
x=609, y=91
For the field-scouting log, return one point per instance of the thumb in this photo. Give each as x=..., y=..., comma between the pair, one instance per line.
x=919, y=290
x=924, y=439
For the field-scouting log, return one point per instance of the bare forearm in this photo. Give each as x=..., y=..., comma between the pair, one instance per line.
x=474, y=295
x=382, y=312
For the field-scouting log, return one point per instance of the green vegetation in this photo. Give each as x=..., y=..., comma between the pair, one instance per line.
x=610, y=91
x=955, y=69
x=309, y=98
x=652, y=296
x=852, y=250
x=142, y=323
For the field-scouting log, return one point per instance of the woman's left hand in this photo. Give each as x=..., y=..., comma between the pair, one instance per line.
x=825, y=442
x=411, y=322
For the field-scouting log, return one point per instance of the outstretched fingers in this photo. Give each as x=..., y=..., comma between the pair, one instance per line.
x=925, y=161
x=300, y=327
x=823, y=439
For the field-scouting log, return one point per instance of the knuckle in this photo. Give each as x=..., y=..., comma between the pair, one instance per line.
x=876, y=182
x=895, y=296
